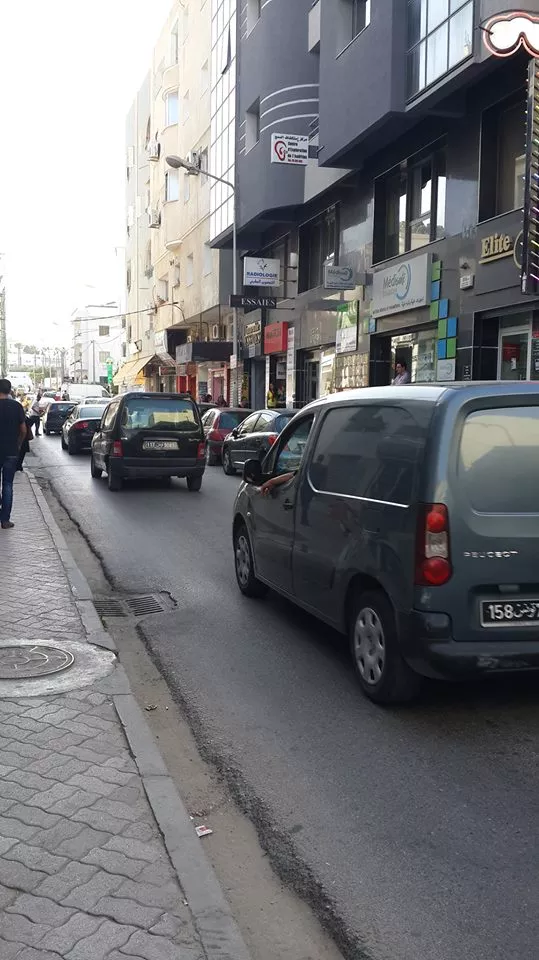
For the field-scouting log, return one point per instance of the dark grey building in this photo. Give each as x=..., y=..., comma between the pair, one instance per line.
x=414, y=189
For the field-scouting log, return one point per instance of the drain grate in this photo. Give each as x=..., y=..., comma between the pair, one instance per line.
x=110, y=608
x=141, y=606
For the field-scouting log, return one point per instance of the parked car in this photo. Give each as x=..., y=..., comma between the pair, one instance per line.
x=157, y=435
x=253, y=438
x=95, y=401
x=56, y=415
x=400, y=522
x=79, y=428
x=83, y=391
x=218, y=423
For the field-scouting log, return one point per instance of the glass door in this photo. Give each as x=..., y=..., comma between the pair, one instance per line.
x=514, y=354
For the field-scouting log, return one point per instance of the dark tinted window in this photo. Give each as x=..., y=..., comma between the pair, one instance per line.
x=499, y=460
x=109, y=415
x=281, y=421
x=62, y=408
x=159, y=413
x=90, y=413
x=368, y=451
x=228, y=420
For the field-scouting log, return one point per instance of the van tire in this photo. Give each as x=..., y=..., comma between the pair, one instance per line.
x=194, y=484
x=114, y=482
x=383, y=674
x=95, y=471
x=248, y=583
x=64, y=444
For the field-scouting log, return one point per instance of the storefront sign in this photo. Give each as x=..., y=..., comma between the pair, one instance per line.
x=260, y=303
x=289, y=149
x=496, y=247
x=404, y=286
x=446, y=370
x=261, y=272
x=347, y=327
x=290, y=367
x=253, y=333
x=338, y=278
x=505, y=33
x=276, y=338
x=184, y=353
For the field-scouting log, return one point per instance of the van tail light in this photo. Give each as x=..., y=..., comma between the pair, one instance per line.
x=81, y=425
x=272, y=438
x=201, y=450
x=433, y=555
x=117, y=449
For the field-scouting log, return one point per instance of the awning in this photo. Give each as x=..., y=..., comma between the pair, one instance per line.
x=130, y=370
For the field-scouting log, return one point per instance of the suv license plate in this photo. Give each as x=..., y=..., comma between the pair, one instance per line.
x=160, y=445
x=514, y=613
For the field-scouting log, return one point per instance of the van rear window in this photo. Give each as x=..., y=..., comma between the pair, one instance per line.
x=158, y=413
x=499, y=460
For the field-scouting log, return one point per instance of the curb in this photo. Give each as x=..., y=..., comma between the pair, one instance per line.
x=218, y=931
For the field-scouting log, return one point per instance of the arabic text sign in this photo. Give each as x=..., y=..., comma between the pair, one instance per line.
x=404, y=286
x=261, y=272
x=338, y=278
x=291, y=149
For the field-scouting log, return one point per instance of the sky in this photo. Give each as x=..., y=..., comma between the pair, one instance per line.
x=68, y=75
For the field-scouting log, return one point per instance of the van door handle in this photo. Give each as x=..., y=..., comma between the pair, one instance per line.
x=288, y=505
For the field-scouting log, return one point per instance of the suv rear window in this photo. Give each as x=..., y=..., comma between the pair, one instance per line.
x=499, y=460
x=159, y=413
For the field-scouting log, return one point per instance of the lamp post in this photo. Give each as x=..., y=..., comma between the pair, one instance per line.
x=177, y=163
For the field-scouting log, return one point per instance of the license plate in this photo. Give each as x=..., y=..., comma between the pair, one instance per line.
x=160, y=445
x=514, y=613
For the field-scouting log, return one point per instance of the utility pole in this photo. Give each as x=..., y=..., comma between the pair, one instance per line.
x=3, y=333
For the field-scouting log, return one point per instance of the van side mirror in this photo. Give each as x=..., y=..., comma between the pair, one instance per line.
x=252, y=472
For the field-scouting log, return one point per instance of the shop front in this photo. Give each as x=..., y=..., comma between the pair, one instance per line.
x=203, y=367
x=253, y=384
x=275, y=351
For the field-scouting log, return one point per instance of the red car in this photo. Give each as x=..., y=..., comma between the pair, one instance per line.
x=218, y=423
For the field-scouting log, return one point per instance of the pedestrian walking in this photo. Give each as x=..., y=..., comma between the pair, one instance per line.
x=25, y=445
x=12, y=435
x=35, y=413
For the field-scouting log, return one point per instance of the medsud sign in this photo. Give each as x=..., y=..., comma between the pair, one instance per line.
x=403, y=286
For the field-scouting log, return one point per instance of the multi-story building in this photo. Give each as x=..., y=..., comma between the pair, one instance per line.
x=186, y=342
x=413, y=190
x=97, y=333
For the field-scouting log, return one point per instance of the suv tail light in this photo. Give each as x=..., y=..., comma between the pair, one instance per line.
x=201, y=450
x=81, y=425
x=272, y=438
x=117, y=449
x=433, y=557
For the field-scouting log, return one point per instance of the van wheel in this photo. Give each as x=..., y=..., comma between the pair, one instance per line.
x=383, y=674
x=249, y=585
x=64, y=444
x=194, y=484
x=95, y=471
x=114, y=483
x=227, y=464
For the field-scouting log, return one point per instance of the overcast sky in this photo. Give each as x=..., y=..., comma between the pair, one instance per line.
x=68, y=74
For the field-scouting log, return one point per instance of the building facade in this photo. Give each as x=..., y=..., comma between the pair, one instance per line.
x=401, y=236
x=97, y=335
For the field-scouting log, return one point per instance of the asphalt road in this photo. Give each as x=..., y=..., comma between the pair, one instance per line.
x=417, y=828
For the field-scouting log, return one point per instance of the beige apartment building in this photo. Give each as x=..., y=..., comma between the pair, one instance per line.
x=185, y=341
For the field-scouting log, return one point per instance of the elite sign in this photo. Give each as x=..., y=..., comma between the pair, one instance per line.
x=287, y=148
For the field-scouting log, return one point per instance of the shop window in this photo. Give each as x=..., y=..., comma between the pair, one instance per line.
x=503, y=160
x=409, y=208
x=440, y=36
x=317, y=247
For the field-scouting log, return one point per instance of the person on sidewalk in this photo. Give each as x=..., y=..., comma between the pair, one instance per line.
x=35, y=413
x=12, y=435
x=25, y=445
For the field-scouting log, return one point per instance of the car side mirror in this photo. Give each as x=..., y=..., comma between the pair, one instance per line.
x=235, y=432
x=252, y=472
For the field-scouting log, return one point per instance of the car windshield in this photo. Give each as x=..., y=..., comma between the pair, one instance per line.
x=90, y=413
x=228, y=420
x=60, y=408
x=159, y=413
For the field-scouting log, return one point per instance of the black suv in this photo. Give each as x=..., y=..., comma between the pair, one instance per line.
x=155, y=435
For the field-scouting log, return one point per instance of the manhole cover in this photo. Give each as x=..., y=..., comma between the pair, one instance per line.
x=28, y=660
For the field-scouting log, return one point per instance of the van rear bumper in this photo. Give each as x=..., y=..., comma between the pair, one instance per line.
x=429, y=647
x=139, y=469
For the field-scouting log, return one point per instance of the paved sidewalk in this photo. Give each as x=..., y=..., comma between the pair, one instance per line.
x=84, y=871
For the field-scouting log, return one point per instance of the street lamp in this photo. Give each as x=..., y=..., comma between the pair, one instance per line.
x=193, y=170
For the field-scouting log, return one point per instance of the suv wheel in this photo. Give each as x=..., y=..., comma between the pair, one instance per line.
x=227, y=463
x=383, y=674
x=95, y=471
x=243, y=561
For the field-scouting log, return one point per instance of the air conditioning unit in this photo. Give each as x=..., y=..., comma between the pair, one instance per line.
x=193, y=158
x=154, y=219
x=154, y=150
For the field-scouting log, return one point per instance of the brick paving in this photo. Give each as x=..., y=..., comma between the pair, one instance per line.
x=84, y=874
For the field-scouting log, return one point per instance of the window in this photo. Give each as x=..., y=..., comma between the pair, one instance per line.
x=496, y=446
x=225, y=51
x=204, y=77
x=253, y=13
x=252, y=126
x=248, y=425
x=264, y=421
x=189, y=271
x=186, y=187
x=174, y=44
x=161, y=413
x=103, y=356
x=440, y=36
x=409, y=206
x=361, y=15
x=172, y=185
x=369, y=452
x=171, y=108
x=207, y=265
x=317, y=246
x=104, y=331
x=109, y=415
x=292, y=449
x=351, y=18
x=503, y=160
